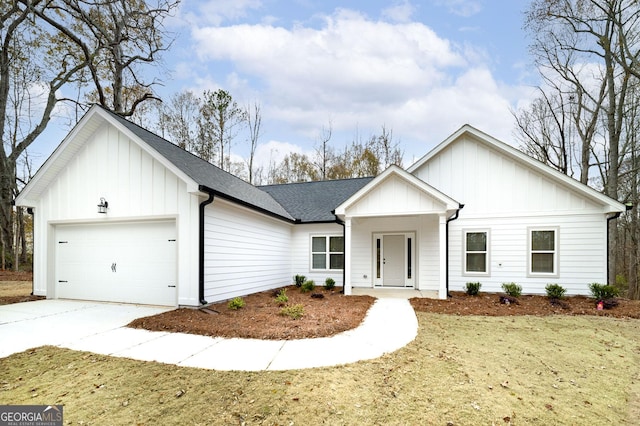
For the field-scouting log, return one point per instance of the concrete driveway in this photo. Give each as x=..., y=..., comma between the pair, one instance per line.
x=100, y=328
x=62, y=322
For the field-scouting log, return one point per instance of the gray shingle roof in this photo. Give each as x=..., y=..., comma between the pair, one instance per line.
x=304, y=202
x=315, y=201
x=208, y=175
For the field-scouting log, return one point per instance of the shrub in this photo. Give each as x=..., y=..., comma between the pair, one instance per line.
x=282, y=297
x=512, y=289
x=472, y=289
x=329, y=283
x=236, y=303
x=308, y=286
x=555, y=291
x=293, y=311
x=603, y=291
x=299, y=280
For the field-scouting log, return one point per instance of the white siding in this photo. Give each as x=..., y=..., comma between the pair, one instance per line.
x=301, y=252
x=245, y=252
x=136, y=186
x=582, y=252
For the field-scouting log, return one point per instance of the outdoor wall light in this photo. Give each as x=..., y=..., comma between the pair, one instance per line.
x=102, y=207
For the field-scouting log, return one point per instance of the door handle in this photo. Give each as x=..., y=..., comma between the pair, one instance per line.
x=113, y=267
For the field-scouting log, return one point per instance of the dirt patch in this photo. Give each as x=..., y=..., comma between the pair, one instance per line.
x=260, y=317
x=489, y=304
x=15, y=287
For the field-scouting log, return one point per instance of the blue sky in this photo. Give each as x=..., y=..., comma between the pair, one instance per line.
x=420, y=68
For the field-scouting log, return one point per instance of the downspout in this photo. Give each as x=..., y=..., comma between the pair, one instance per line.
x=33, y=232
x=609, y=219
x=203, y=204
x=451, y=219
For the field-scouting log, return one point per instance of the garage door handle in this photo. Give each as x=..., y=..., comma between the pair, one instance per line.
x=63, y=281
x=113, y=267
x=171, y=286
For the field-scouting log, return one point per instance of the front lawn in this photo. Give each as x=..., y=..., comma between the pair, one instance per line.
x=460, y=370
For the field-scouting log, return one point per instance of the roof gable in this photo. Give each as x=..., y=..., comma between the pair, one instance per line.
x=564, y=187
x=396, y=192
x=193, y=170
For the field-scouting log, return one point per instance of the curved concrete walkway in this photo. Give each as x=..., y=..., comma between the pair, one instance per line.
x=389, y=325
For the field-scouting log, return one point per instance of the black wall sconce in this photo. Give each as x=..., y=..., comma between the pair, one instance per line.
x=102, y=207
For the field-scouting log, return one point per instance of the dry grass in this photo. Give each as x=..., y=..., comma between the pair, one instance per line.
x=466, y=370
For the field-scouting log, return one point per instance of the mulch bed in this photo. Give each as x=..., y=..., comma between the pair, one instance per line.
x=489, y=304
x=260, y=317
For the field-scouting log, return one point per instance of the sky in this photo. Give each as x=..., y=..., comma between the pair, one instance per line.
x=421, y=69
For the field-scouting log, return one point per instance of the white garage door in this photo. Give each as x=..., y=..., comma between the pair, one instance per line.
x=125, y=262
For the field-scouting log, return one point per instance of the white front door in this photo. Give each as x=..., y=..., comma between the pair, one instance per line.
x=394, y=260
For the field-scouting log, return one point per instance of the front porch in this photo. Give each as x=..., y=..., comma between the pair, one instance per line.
x=394, y=293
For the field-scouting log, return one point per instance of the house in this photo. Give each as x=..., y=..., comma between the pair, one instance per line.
x=123, y=215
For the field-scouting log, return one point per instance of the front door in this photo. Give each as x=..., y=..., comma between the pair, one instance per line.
x=394, y=260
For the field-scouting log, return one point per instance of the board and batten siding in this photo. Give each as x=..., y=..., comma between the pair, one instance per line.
x=581, y=250
x=488, y=181
x=137, y=187
x=301, y=251
x=245, y=251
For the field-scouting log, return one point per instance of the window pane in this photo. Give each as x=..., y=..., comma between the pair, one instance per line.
x=542, y=262
x=476, y=262
x=542, y=240
x=476, y=241
x=378, y=262
x=318, y=244
x=336, y=244
x=319, y=261
x=337, y=261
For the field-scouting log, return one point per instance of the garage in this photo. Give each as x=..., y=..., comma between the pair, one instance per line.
x=132, y=262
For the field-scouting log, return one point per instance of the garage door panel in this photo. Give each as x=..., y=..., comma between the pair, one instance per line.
x=132, y=262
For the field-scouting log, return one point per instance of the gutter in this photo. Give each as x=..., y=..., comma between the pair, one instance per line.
x=451, y=219
x=203, y=204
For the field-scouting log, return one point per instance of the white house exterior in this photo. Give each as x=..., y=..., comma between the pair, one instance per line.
x=180, y=231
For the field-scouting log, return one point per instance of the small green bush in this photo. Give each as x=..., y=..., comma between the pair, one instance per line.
x=512, y=289
x=299, y=280
x=236, y=303
x=603, y=291
x=293, y=311
x=472, y=289
x=282, y=297
x=329, y=284
x=555, y=291
x=308, y=286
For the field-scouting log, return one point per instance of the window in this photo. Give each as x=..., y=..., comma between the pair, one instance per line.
x=543, y=251
x=476, y=252
x=327, y=252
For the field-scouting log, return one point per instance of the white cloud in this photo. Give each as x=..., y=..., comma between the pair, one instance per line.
x=465, y=8
x=401, y=11
x=363, y=74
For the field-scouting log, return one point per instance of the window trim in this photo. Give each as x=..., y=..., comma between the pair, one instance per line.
x=327, y=252
x=556, y=251
x=487, y=272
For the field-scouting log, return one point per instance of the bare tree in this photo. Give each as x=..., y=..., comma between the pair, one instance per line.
x=220, y=117
x=324, y=151
x=584, y=47
x=179, y=118
x=253, y=117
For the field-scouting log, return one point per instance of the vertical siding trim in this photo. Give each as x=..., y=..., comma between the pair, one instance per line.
x=203, y=205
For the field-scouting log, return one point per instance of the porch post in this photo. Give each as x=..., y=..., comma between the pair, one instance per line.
x=347, y=256
x=442, y=288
